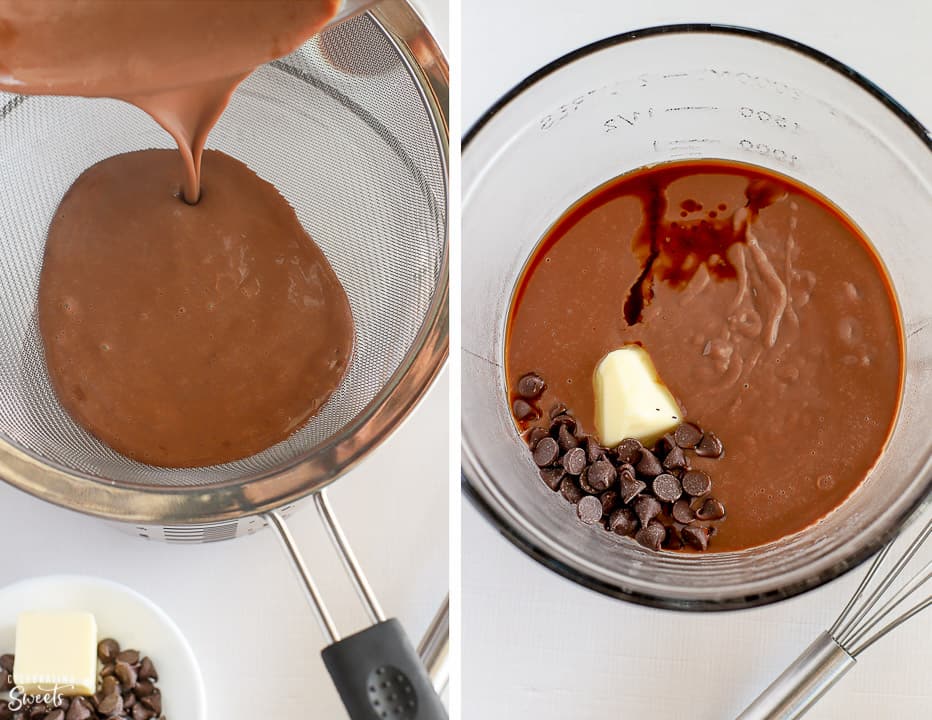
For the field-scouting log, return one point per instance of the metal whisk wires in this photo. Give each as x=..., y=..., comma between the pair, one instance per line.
x=875, y=609
x=855, y=629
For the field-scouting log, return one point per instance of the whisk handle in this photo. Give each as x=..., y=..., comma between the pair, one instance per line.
x=810, y=676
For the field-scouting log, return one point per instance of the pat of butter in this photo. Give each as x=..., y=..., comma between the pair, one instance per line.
x=630, y=399
x=56, y=650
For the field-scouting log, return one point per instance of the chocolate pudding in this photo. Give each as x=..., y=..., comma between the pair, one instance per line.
x=185, y=335
x=764, y=309
x=178, y=61
x=181, y=328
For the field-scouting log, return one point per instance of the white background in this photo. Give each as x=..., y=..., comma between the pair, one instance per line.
x=537, y=646
x=238, y=602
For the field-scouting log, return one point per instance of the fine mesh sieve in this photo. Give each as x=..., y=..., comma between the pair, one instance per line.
x=351, y=130
x=354, y=140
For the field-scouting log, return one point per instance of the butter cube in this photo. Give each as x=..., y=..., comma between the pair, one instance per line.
x=56, y=649
x=631, y=401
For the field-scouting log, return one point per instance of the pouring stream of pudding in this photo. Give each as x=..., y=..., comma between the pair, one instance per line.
x=179, y=333
x=178, y=61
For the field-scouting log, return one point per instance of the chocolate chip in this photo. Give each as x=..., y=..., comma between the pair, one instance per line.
x=107, y=650
x=154, y=701
x=628, y=451
x=589, y=510
x=552, y=478
x=609, y=501
x=523, y=410
x=711, y=509
x=57, y=714
x=6, y=663
x=141, y=712
x=147, y=670
x=710, y=446
x=111, y=705
x=108, y=669
x=594, y=451
x=674, y=540
x=534, y=436
x=145, y=688
x=667, y=488
x=110, y=685
x=5, y=712
x=631, y=487
x=6, y=681
x=546, y=452
x=647, y=508
x=651, y=535
x=676, y=459
x=601, y=475
x=571, y=491
x=697, y=483
x=531, y=386
x=584, y=483
x=560, y=421
x=565, y=439
x=574, y=462
x=665, y=444
x=623, y=521
x=557, y=410
x=682, y=512
x=127, y=675
x=687, y=435
x=697, y=536
x=80, y=709
x=648, y=464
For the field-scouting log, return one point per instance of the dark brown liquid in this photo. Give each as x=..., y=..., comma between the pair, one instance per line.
x=765, y=311
x=185, y=335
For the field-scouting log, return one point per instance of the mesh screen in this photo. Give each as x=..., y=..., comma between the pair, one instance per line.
x=339, y=127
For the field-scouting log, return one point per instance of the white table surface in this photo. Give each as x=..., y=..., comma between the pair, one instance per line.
x=238, y=602
x=537, y=646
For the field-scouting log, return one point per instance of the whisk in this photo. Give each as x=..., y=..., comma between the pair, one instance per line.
x=868, y=616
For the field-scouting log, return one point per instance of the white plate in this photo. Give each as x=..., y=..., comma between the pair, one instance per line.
x=122, y=614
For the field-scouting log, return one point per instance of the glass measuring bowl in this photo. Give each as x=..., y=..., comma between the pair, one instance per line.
x=696, y=91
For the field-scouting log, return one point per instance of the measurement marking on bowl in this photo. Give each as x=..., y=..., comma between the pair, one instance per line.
x=690, y=107
x=744, y=78
x=691, y=141
x=768, y=118
x=629, y=119
x=567, y=109
x=765, y=150
x=683, y=144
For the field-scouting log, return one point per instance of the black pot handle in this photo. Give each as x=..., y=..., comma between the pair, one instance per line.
x=380, y=677
x=378, y=673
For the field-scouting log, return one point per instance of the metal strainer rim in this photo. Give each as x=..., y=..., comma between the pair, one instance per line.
x=323, y=464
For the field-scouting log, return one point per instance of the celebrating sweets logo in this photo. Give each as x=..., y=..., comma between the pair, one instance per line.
x=49, y=697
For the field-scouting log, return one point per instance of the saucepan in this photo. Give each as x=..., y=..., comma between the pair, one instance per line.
x=351, y=128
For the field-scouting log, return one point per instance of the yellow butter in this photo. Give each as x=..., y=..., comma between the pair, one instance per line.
x=631, y=401
x=56, y=650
